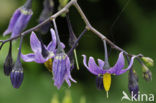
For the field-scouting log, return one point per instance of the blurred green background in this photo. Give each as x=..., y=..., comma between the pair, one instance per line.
x=134, y=31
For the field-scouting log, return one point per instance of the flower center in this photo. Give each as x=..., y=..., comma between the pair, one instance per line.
x=48, y=64
x=107, y=82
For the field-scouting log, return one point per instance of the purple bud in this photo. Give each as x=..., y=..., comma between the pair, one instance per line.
x=99, y=83
x=19, y=20
x=72, y=40
x=22, y=21
x=8, y=62
x=17, y=75
x=46, y=13
x=133, y=83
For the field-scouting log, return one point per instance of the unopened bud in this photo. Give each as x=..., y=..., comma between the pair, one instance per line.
x=148, y=61
x=17, y=75
x=146, y=73
x=8, y=65
x=45, y=14
x=62, y=3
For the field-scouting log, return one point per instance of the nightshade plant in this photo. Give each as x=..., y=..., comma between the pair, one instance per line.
x=56, y=59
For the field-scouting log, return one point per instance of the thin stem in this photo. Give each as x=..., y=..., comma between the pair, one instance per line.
x=19, y=50
x=28, y=4
x=106, y=52
x=75, y=44
x=10, y=48
x=71, y=33
x=57, y=35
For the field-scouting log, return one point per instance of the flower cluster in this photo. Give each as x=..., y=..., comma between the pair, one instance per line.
x=60, y=62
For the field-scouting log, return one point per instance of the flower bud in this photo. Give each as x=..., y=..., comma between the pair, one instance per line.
x=133, y=83
x=62, y=3
x=99, y=83
x=72, y=40
x=45, y=14
x=8, y=62
x=19, y=20
x=146, y=73
x=148, y=61
x=17, y=75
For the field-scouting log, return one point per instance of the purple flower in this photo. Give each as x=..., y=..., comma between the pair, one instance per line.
x=37, y=49
x=61, y=70
x=17, y=75
x=18, y=21
x=100, y=70
x=117, y=69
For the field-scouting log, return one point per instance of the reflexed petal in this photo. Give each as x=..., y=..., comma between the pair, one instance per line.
x=12, y=22
x=63, y=46
x=68, y=76
x=35, y=43
x=101, y=63
x=129, y=66
x=118, y=66
x=92, y=67
x=28, y=58
x=52, y=45
x=21, y=23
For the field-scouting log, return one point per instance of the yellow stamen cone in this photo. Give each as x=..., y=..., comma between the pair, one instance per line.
x=107, y=82
x=48, y=65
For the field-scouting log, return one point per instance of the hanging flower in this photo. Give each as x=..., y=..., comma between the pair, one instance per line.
x=61, y=70
x=61, y=64
x=19, y=20
x=99, y=70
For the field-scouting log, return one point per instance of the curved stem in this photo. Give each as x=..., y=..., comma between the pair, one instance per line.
x=106, y=52
x=19, y=50
x=57, y=36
